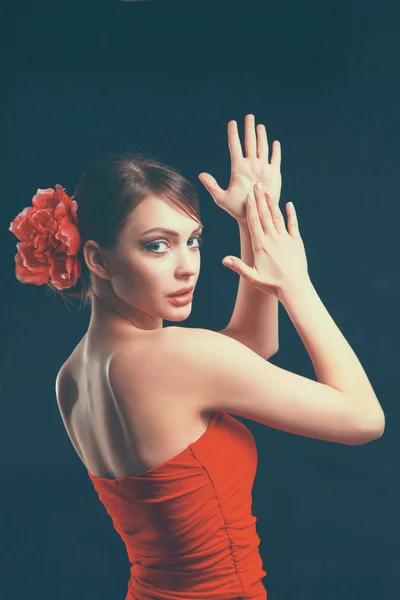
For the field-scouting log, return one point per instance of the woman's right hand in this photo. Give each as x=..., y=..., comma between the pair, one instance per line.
x=279, y=254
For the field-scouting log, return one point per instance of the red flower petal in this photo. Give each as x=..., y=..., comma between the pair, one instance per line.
x=49, y=239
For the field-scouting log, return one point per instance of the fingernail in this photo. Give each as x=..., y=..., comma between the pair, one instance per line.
x=259, y=185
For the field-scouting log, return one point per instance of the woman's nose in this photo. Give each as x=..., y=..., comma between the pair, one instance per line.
x=188, y=263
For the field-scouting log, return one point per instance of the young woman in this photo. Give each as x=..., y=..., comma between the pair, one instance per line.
x=146, y=406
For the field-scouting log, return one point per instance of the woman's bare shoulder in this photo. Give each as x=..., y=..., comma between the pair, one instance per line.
x=149, y=371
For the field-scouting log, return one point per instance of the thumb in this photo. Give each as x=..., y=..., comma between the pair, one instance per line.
x=211, y=186
x=237, y=265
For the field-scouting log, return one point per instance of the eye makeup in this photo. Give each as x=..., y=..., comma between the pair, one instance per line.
x=147, y=246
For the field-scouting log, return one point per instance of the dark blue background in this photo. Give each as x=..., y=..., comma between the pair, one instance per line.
x=165, y=78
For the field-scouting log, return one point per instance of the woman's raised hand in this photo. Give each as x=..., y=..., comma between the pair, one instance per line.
x=247, y=169
x=279, y=253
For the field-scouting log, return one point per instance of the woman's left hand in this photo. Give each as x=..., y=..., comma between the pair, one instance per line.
x=247, y=171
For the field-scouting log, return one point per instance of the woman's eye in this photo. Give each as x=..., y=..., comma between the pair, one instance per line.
x=148, y=247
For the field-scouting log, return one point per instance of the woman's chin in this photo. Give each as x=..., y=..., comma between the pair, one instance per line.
x=179, y=314
x=177, y=318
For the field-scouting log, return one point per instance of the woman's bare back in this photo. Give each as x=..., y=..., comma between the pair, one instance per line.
x=115, y=439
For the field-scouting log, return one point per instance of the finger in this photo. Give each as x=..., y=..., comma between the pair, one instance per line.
x=264, y=211
x=276, y=157
x=293, y=225
x=236, y=264
x=262, y=145
x=212, y=187
x=250, y=141
x=235, y=148
x=256, y=231
x=277, y=216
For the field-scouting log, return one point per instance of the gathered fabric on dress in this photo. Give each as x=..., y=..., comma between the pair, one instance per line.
x=187, y=523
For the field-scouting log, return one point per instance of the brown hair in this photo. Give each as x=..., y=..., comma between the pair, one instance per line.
x=106, y=194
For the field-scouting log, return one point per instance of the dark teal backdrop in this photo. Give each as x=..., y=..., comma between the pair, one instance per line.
x=165, y=78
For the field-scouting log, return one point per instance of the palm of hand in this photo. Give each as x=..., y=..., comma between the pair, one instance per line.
x=247, y=171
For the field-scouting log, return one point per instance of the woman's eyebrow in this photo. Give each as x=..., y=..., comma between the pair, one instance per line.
x=170, y=231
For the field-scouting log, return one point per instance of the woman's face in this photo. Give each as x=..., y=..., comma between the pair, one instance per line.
x=148, y=266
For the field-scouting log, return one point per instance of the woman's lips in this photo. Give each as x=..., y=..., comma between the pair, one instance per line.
x=182, y=299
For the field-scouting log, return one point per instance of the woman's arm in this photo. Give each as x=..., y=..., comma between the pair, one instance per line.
x=254, y=320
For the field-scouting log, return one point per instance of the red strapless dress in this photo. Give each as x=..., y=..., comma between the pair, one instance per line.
x=187, y=523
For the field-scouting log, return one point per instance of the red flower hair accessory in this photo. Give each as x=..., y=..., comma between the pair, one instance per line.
x=49, y=240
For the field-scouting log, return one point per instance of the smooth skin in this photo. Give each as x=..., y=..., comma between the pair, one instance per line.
x=279, y=253
x=247, y=170
x=222, y=374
